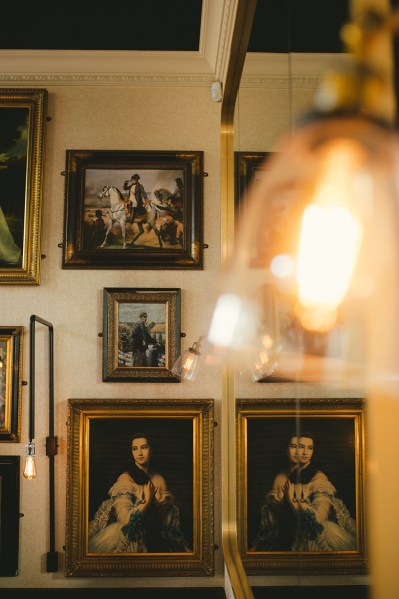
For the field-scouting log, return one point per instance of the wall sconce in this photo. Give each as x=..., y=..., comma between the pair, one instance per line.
x=187, y=365
x=51, y=440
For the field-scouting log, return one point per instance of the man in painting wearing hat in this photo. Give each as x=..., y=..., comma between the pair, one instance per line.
x=141, y=340
x=137, y=196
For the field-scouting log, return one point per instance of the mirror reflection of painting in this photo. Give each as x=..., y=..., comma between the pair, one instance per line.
x=125, y=210
x=14, y=125
x=141, y=335
x=307, y=499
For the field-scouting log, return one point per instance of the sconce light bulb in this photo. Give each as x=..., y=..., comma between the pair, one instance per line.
x=190, y=364
x=189, y=361
x=187, y=365
x=30, y=465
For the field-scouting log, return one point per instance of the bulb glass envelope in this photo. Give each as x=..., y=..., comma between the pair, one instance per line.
x=320, y=237
x=30, y=465
x=187, y=364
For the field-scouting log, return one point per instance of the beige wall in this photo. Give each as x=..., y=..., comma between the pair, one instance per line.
x=116, y=118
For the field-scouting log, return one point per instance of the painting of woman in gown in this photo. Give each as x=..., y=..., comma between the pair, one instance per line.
x=302, y=511
x=139, y=487
x=140, y=514
x=301, y=485
x=13, y=167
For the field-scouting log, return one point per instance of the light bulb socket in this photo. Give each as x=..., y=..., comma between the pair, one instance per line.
x=30, y=449
x=195, y=348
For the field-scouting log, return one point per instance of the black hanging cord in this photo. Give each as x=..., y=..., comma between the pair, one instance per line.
x=289, y=50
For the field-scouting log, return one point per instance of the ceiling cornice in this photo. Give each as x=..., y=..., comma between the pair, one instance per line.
x=125, y=68
x=99, y=67
x=123, y=79
x=280, y=71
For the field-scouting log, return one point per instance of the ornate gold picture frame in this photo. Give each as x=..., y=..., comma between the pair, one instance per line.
x=133, y=209
x=141, y=334
x=10, y=383
x=140, y=488
x=301, y=485
x=22, y=126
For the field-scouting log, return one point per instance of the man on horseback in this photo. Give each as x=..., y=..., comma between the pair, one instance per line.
x=137, y=196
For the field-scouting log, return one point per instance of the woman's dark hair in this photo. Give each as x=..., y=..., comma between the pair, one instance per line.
x=308, y=435
x=136, y=473
x=140, y=436
x=306, y=475
x=290, y=437
x=300, y=434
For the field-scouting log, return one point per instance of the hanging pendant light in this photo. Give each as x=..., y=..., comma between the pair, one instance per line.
x=322, y=215
x=30, y=464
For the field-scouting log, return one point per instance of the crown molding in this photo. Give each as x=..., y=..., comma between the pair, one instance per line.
x=100, y=67
x=57, y=79
x=280, y=71
x=124, y=68
x=279, y=82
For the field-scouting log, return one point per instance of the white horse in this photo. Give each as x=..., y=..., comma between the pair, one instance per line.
x=117, y=211
x=152, y=217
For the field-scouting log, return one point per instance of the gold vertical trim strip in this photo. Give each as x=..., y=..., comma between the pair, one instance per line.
x=240, y=38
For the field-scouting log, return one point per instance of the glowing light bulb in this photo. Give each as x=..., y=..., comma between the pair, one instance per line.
x=327, y=255
x=330, y=235
x=190, y=366
x=30, y=465
x=187, y=365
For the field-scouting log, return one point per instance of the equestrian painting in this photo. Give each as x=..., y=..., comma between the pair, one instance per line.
x=138, y=210
x=133, y=209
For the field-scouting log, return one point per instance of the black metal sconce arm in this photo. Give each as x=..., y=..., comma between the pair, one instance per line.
x=51, y=440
